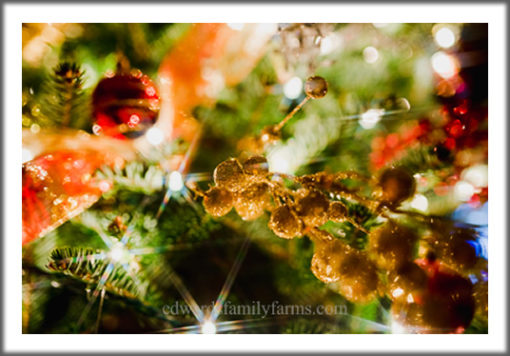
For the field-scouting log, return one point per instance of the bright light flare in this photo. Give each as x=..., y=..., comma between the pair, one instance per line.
x=175, y=181
x=208, y=327
x=119, y=253
x=370, y=118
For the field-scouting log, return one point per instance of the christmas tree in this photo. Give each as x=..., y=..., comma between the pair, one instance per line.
x=255, y=178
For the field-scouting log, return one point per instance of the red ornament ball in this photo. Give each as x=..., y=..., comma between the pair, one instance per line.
x=125, y=105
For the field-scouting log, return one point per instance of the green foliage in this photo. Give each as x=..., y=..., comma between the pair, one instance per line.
x=349, y=233
x=325, y=135
x=135, y=176
x=96, y=268
x=421, y=159
x=65, y=101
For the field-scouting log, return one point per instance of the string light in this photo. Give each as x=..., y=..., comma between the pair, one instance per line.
x=444, y=36
x=330, y=43
x=370, y=54
x=444, y=65
x=370, y=118
x=236, y=26
x=155, y=136
x=118, y=253
x=293, y=88
x=175, y=181
x=420, y=202
x=463, y=190
x=397, y=328
x=26, y=155
x=279, y=160
x=208, y=327
x=477, y=175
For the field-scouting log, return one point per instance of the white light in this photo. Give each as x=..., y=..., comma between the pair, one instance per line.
x=410, y=298
x=445, y=37
x=444, y=65
x=397, y=292
x=370, y=54
x=380, y=25
x=155, y=136
x=236, y=26
x=118, y=253
x=420, y=202
x=370, y=118
x=278, y=161
x=476, y=175
x=293, y=88
x=326, y=45
x=397, y=328
x=26, y=155
x=208, y=327
x=175, y=182
x=463, y=190
x=215, y=82
x=330, y=43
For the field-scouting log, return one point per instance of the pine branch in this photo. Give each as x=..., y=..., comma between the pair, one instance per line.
x=421, y=159
x=136, y=176
x=64, y=102
x=90, y=266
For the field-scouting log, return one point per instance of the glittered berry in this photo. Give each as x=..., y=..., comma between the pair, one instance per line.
x=252, y=201
x=256, y=166
x=316, y=87
x=285, y=223
x=337, y=212
x=218, y=201
x=452, y=295
x=326, y=260
x=312, y=208
x=230, y=175
x=446, y=306
x=459, y=249
x=406, y=283
x=392, y=245
x=359, y=281
x=125, y=105
x=397, y=185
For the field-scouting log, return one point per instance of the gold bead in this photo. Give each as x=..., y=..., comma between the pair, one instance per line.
x=316, y=87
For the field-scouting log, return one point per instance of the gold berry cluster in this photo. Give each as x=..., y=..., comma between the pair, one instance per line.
x=428, y=295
